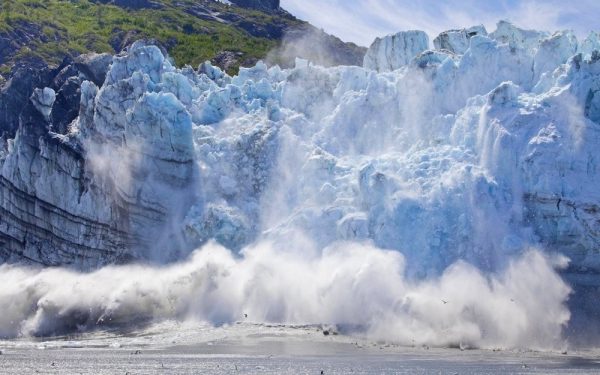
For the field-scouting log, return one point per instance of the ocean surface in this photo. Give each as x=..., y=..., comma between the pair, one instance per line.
x=247, y=348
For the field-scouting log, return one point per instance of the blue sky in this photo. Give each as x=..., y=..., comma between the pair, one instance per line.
x=360, y=21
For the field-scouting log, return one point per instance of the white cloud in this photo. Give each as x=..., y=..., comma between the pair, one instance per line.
x=361, y=21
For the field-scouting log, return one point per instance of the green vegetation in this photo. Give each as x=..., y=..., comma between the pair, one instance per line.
x=71, y=27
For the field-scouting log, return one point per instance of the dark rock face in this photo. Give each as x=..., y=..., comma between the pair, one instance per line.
x=64, y=79
x=15, y=93
x=264, y=5
x=22, y=35
x=269, y=31
x=121, y=39
x=94, y=66
x=66, y=106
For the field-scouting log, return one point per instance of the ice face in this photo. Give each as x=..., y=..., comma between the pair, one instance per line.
x=457, y=41
x=590, y=44
x=395, y=51
x=445, y=145
x=474, y=156
x=553, y=51
x=516, y=37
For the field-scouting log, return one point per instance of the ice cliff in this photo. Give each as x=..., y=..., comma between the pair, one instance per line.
x=394, y=51
x=90, y=175
x=474, y=150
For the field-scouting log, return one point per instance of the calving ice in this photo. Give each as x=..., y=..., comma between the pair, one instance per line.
x=428, y=197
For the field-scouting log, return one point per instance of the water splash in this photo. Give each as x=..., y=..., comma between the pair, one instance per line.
x=350, y=284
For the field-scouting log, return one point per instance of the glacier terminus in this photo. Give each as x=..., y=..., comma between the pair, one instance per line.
x=468, y=161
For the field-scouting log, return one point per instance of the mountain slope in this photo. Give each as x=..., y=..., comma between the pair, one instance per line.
x=191, y=31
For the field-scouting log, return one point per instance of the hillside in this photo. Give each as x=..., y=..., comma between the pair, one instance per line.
x=191, y=31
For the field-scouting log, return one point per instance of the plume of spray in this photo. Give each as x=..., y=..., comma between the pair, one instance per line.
x=309, y=43
x=351, y=284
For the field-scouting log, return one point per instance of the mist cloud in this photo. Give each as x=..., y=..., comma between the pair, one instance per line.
x=356, y=285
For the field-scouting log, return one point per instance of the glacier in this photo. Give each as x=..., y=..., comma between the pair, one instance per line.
x=476, y=151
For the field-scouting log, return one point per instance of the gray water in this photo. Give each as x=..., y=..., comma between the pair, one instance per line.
x=174, y=348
